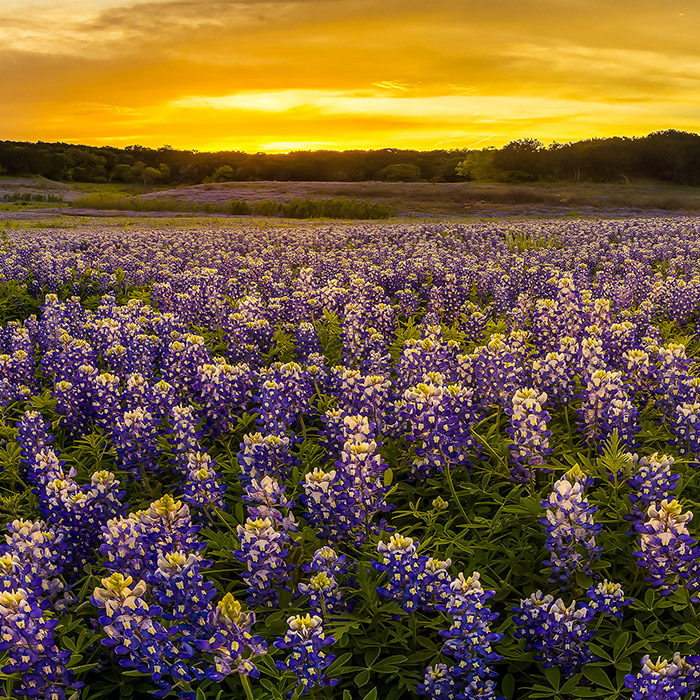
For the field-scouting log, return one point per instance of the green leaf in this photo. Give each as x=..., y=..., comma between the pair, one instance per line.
x=390, y=664
x=361, y=678
x=553, y=676
x=371, y=655
x=508, y=685
x=371, y=695
x=598, y=676
x=621, y=644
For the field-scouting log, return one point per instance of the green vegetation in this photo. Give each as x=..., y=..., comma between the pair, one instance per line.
x=296, y=209
x=664, y=156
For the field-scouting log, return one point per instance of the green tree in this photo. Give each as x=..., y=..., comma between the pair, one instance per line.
x=151, y=175
x=120, y=172
x=400, y=172
x=479, y=165
x=223, y=174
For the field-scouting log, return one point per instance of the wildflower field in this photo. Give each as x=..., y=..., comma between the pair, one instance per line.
x=363, y=462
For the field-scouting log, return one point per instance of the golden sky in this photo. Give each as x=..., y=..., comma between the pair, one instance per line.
x=277, y=76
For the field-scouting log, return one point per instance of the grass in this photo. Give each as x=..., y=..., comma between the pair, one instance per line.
x=294, y=199
x=296, y=209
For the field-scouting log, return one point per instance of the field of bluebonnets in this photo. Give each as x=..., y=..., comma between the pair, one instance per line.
x=353, y=461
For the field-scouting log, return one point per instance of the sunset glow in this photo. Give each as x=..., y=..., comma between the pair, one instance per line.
x=321, y=74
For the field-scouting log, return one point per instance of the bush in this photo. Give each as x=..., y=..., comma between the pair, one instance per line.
x=296, y=209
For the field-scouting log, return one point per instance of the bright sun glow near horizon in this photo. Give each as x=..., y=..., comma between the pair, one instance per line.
x=326, y=74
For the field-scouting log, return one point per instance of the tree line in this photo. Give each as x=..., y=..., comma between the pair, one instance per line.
x=670, y=155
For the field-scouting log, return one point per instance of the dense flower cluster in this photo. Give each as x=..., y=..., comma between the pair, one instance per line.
x=285, y=397
x=664, y=680
x=666, y=548
x=571, y=530
x=307, y=659
x=27, y=637
x=559, y=633
x=528, y=430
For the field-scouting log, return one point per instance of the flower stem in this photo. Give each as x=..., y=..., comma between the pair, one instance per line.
x=448, y=475
x=246, y=686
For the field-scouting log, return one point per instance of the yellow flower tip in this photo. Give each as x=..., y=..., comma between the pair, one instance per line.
x=166, y=504
x=116, y=583
x=229, y=608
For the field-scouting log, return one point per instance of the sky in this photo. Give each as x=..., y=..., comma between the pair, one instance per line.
x=325, y=74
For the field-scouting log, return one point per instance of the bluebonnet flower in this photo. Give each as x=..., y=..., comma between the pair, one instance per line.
x=181, y=361
x=342, y=502
x=33, y=558
x=405, y=571
x=203, y=488
x=133, y=544
x=263, y=550
x=439, y=419
x=666, y=548
x=161, y=399
x=80, y=510
x=469, y=641
x=323, y=589
x=284, y=393
x=225, y=391
x=307, y=342
x=651, y=482
x=307, y=659
x=324, y=592
x=554, y=375
x=27, y=639
x=430, y=353
x=608, y=598
x=498, y=371
x=671, y=376
x=685, y=427
x=105, y=397
x=230, y=640
x=365, y=343
x=605, y=406
x=135, y=438
x=184, y=435
x=528, y=430
x=180, y=590
x=557, y=633
x=571, y=530
x=665, y=680
x=33, y=436
x=134, y=631
x=327, y=559
x=265, y=455
x=267, y=500
x=341, y=427
x=370, y=396
x=473, y=320
x=639, y=371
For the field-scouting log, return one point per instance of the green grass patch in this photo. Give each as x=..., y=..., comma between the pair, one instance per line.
x=296, y=209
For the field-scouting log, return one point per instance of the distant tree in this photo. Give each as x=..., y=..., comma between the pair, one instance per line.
x=120, y=172
x=400, y=172
x=137, y=171
x=520, y=159
x=223, y=174
x=479, y=165
x=150, y=175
